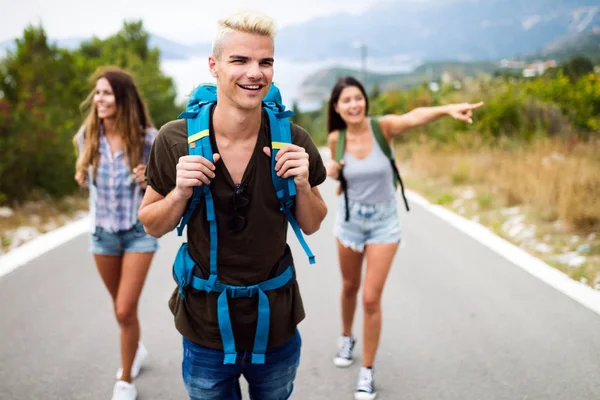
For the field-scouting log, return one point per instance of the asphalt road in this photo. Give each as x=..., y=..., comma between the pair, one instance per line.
x=460, y=323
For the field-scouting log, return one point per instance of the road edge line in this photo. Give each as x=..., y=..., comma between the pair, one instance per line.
x=583, y=294
x=42, y=244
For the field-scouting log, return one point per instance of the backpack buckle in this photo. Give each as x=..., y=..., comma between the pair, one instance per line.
x=237, y=292
x=286, y=205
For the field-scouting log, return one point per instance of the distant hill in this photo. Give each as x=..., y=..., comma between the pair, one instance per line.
x=6, y=45
x=68, y=43
x=462, y=30
x=169, y=49
x=586, y=44
x=320, y=83
x=583, y=44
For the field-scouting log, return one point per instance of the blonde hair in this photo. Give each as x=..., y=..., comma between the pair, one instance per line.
x=246, y=22
x=132, y=120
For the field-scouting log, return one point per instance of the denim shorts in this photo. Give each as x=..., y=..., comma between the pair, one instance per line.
x=207, y=378
x=134, y=240
x=368, y=224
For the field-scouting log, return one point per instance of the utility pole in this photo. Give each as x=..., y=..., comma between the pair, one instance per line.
x=363, y=60
x=363, y=57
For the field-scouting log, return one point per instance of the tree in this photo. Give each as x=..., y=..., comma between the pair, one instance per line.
x=129, y=50
x=375, y=91
x=577, y=67
x=41, y=88
x=37, y=85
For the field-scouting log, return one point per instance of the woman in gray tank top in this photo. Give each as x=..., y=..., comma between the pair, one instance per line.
x=368, y=224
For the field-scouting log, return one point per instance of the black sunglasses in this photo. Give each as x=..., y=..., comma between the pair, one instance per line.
x=241, y=199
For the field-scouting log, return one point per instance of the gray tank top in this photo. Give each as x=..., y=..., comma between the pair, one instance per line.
x=369, y=180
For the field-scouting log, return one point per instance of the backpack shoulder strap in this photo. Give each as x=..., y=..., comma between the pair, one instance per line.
x=340, y=146
x=198, y=121
x=387, y=150
x=198, y=145
x=285, y=188
x=281, y=135
x=380, y=138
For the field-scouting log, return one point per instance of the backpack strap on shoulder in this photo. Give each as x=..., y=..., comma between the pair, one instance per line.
x=380, y=138
x=198, y=115
x=340, y=148
x=387, y=150
x=285, y=188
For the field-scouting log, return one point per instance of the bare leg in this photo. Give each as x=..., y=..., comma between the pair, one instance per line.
x=351, y=267
x=134, y=270
x=109, y=268
x=379, y=262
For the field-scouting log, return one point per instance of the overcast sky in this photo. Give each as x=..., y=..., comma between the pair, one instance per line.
x=185, y=21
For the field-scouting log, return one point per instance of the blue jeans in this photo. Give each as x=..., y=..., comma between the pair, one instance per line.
x=207, y=378
x=134, y=240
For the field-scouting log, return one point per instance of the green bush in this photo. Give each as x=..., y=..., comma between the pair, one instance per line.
x=41, y=89
x=564, y=102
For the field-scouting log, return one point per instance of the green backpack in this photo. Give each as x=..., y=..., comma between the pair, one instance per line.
x=383, y=144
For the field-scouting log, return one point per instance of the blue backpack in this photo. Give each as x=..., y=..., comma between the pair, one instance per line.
x=197, y=114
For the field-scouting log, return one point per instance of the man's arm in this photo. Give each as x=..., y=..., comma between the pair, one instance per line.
x=310, y=209
x=292, y=160
x=160, y=214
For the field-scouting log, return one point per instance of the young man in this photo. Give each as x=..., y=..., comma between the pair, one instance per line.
x=253, y=248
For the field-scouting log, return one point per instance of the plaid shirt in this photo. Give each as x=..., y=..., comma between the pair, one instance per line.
x=115, y=197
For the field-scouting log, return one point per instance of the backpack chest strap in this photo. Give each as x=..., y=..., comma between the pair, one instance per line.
x=182, y=270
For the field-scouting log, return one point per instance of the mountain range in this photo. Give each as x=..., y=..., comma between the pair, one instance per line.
x=585, y=43
x=169, y=49
x=318, y=84
x=442, y=29
x=462, y=30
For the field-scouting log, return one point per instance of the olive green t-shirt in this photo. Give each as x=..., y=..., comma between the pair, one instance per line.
x=244, y=258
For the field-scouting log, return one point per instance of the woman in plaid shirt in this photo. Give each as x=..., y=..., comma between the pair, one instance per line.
x=113, y=146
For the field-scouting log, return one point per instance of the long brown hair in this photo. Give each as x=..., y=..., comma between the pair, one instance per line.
x=334, y=121
x=132, y=120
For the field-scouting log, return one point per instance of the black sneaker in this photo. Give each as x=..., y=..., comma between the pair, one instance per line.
x=344, y=358
x=365, y=387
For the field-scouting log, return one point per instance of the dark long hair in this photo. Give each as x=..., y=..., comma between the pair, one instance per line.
x=334, y=121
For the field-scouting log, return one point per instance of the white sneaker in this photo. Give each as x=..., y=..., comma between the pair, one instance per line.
x=365, y=387
x=343, y=357
x=124, y=391
x=140, y=355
